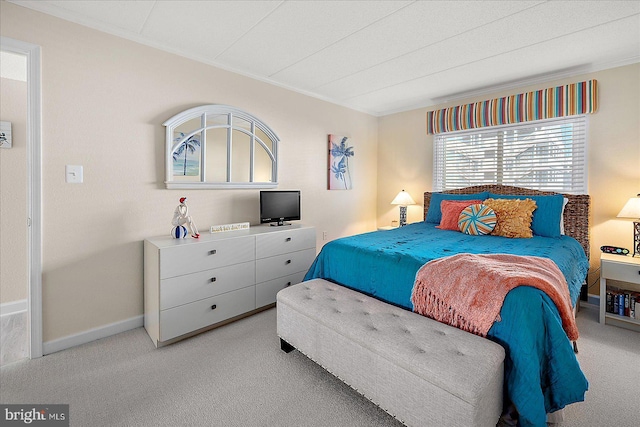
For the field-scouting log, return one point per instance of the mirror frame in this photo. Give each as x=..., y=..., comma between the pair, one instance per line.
x=203, y=112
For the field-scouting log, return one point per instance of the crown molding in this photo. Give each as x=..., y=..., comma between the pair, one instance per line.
x=136, y=37
x=536, y=80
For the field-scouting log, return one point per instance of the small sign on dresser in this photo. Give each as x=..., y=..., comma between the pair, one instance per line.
x=230, y=227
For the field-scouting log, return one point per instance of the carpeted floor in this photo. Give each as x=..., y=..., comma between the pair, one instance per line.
x=610, y=358
x=238, y=376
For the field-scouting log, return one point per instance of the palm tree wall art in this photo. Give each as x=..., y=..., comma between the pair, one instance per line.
x=340, y=150
x=186, y=157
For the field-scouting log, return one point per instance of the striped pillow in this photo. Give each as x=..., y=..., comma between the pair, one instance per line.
x=477, y=219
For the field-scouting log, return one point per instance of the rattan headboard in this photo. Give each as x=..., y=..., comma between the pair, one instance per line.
x=576, y=213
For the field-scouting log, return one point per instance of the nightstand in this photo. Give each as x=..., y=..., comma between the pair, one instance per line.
x=625, y=271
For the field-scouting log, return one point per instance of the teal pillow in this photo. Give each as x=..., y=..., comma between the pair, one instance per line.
x=546, y=217
x=434, y=214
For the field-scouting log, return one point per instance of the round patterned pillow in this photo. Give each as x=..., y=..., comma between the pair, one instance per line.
x=477, y=219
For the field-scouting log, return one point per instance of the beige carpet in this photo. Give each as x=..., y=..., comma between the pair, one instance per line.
x=610, y=358
x=238, y=376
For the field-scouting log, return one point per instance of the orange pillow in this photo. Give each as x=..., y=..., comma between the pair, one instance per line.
x=514, y=216
x=451, y=212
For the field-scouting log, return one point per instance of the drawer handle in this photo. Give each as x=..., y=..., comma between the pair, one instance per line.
x=288, y=283
x=288, y=261
x=213, y=279
x=213, y=307
x=288, y=239
x=212, y=252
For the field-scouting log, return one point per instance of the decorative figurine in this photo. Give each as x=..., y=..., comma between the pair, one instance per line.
x=180, y=217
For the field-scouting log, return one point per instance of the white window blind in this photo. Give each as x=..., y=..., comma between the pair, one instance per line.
x=547, y=155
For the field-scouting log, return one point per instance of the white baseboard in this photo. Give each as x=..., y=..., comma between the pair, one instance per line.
x=13, y=307
x=92, y=335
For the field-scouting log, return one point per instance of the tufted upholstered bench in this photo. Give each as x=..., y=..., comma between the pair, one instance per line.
x=422, y=372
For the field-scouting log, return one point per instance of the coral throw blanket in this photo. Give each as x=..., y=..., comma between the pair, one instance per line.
x=467, y=291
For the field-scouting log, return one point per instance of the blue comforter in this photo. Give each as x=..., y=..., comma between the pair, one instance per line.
x=542, y=373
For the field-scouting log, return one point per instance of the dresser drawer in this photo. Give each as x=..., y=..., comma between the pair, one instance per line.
x=190, y=317
x=185, y=259
x=622, y=272
x=281, y=242
x=266, y=291
x=193, y=287
x=284, y=265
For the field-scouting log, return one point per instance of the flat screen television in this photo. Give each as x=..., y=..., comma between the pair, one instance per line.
x=279, y=206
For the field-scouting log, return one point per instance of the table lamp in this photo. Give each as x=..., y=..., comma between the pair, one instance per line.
x=632, y=210
x=403, y=199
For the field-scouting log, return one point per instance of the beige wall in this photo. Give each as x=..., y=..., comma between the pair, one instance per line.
x=13, y=194
x=104, y=102
x=405, y=156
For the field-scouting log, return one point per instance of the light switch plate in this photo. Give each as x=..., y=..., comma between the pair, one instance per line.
x=73, y=174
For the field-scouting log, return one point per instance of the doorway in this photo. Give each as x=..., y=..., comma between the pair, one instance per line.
x=21, y=205
x=14, y=233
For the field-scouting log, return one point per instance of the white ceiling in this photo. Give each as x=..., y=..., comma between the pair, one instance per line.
x=378, y=56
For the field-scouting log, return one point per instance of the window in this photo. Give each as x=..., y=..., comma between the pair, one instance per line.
x=547, y=155
x=218, y=146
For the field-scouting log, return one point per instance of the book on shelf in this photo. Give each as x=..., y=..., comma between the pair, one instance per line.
x=623, y=303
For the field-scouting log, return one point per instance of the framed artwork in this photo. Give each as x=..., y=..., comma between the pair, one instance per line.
x=5, y=135
x=186, y=155
x=340, y=166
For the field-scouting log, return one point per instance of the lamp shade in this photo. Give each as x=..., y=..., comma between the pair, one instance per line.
x=403, y=199
x=631, y=209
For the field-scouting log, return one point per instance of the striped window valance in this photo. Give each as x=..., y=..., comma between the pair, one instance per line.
x=560, y=101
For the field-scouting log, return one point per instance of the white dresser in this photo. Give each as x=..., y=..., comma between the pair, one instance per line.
x=195, y=284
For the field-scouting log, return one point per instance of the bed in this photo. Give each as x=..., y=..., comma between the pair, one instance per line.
x=542, y=374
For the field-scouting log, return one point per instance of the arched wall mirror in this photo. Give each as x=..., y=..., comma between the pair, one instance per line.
x=219, y=146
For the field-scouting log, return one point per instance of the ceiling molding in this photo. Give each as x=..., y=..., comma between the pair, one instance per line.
x=606, y=30
x=535, y=80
